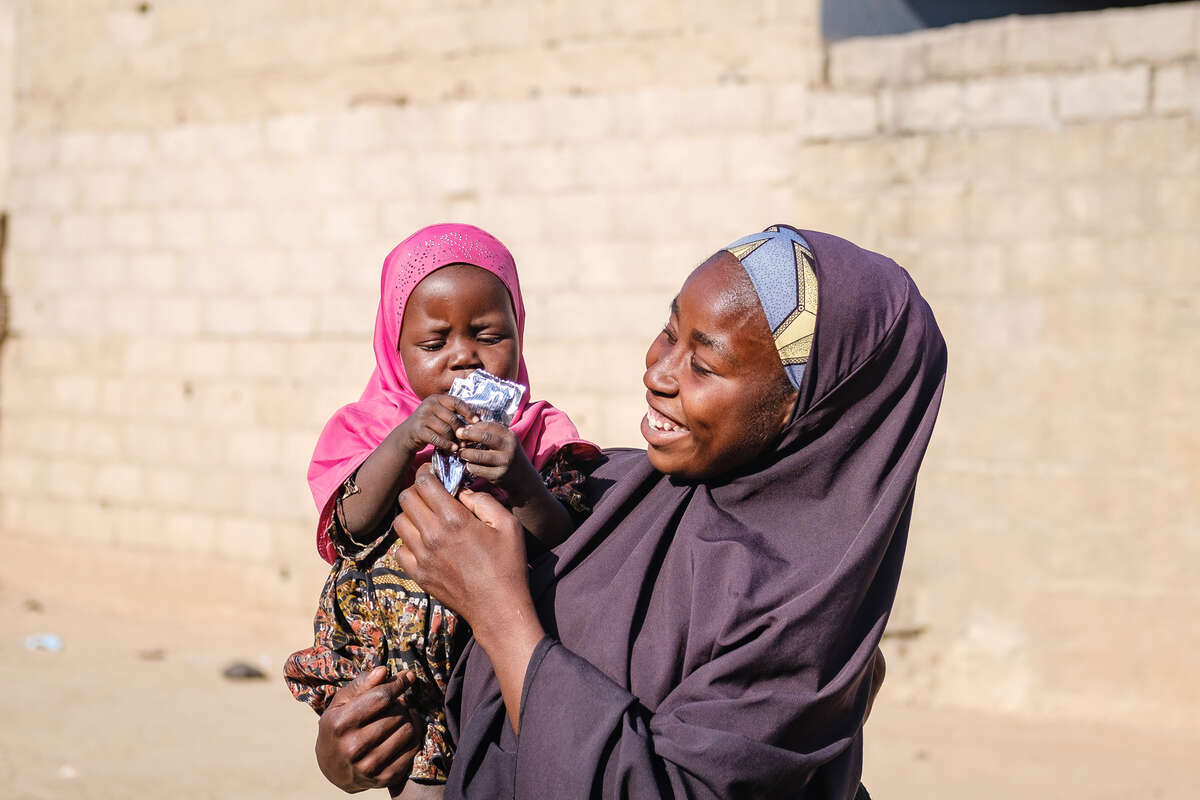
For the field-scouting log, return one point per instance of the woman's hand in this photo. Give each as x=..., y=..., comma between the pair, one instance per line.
x=434, y=422
x=366, y=739
x=471, y=556
x=498, y=458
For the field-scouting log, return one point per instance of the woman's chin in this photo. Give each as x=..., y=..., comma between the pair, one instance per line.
x=663, y=448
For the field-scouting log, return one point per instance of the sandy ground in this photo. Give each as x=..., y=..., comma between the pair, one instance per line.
x=133, y=707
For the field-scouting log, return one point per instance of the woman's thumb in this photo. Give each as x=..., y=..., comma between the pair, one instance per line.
x=486, y=508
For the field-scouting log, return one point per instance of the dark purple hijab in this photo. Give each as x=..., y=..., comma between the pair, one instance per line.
x=720, y=640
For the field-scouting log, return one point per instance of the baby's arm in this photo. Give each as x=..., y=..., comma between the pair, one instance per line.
x=501, y=460
x=381, y=477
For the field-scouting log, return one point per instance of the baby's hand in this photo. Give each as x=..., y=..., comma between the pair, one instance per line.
x=434, y=422
x=498, y=458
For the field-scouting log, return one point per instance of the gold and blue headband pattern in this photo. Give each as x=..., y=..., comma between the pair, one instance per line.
x=780, y=265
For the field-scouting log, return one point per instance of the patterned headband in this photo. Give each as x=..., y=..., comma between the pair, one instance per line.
x=780, y=265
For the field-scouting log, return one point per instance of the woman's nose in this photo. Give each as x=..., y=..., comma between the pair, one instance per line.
x=659, y=376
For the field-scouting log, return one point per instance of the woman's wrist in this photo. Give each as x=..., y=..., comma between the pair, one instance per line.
x=506, y=630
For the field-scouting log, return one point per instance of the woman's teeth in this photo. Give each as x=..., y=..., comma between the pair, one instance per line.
x=660, y=423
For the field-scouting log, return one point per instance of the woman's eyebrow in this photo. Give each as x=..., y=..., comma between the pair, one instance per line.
x=713, y=343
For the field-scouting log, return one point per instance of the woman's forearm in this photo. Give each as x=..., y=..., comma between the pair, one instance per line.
x=509, y=635
x=379, y=481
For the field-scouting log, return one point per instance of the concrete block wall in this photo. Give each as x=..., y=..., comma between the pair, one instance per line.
x=200, y=202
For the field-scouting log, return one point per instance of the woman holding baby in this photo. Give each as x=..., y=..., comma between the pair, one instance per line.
x=711, y=630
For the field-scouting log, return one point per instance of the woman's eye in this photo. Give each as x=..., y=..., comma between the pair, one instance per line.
x=699, y=368
x=666, y=331
x=430, y=347
x=491, y=338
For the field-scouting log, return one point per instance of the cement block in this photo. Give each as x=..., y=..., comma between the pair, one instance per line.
x=686, y=161
x=611, y=164
x=1059, y=41
x=80, y=231
x=234, y=227
x=230, y=316
x=357, y=130
x=33, y=151
x=926, y=108
x=53, y=191
x=81, y=149
x=969, y=51
x=1104, y=94
x=869, y=63
x=840, y=115
x=1157, y=35
x=127, y=148
x=1177, y=89
x=130, y=230
x=182, y=316
x=182, y=230
x=1025, y=100
x=576, y=118
x=254, y=448
x=293, y=135
x=104, y=190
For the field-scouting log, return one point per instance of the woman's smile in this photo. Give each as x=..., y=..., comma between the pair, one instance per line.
x=660, y=430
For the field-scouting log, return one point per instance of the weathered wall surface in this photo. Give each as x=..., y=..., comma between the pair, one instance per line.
x=200, y=201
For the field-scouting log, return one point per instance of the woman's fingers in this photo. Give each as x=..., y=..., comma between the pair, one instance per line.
x=410, y=536
x=415, y=500
x=360, y=684
x=374, y=702
x=371, y=738
x=392, y=759
x=364, y=713
x=487, y=509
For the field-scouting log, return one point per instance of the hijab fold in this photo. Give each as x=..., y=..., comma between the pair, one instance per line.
x=355, y=430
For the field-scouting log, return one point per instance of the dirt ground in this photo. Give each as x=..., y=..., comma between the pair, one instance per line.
x=134, y=707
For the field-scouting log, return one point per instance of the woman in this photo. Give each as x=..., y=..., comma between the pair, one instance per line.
x=712, y=629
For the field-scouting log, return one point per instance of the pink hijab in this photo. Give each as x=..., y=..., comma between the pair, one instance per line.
x=355, y=430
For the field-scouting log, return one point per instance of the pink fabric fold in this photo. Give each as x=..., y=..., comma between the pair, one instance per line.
x=355, y=430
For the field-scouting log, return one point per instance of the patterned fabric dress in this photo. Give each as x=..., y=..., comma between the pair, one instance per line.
x=371, y=613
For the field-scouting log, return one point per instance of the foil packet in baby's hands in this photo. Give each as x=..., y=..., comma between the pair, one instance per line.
x=494, y=400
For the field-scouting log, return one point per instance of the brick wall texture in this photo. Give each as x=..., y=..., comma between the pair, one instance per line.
x=200, y=195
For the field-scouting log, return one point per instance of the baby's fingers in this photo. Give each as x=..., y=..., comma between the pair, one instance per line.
x=441, y=437
x=490, y=435
x=483, y=458
x=456, y=406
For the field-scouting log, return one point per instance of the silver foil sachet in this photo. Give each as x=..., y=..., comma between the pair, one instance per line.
x=494, y=400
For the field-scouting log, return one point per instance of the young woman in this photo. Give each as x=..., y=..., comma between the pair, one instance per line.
x=712, y=629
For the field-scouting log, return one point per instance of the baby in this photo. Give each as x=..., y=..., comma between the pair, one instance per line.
x=450, y=304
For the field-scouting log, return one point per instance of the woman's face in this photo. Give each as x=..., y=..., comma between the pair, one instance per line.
x=716, y=388
x=458, y=319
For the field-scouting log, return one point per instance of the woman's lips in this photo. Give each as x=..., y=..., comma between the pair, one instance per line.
x=659, y=429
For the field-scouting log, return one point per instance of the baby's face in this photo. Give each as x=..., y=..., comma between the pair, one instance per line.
x=459, y=318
